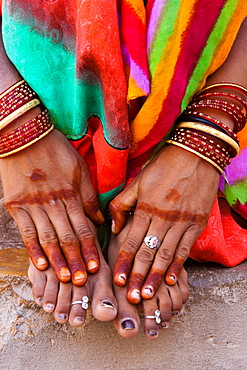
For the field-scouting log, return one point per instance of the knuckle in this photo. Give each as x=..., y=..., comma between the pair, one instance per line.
x=165, y=254
x=28, y=231
x=183, y=251
x=48, y=236
x=83, y=232
x=130, y=245
x=145, y=255
x=68, y=240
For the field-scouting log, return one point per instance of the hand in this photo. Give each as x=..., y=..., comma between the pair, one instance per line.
x=172, y=198
x=48, y=191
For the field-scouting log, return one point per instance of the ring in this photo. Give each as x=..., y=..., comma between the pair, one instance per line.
x=156, y=317
x=84, y=302
x=152, y=242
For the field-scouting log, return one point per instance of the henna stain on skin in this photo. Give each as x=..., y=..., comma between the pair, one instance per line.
x=154, y=278
x=38, y=175
x=173, y=216
x=41, y=197
x=123, y=266
x=136, y=281
x=174, y=270
x=173, y=196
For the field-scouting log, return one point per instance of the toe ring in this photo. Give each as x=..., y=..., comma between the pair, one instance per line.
x=156, y=317
x=84, y=302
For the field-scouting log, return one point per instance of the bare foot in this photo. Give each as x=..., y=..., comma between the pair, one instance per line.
x=57, y=297
x=168, y=300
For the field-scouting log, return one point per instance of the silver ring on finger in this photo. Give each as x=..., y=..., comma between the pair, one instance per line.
x=152, y=241
x=84, y=302
x=156, y=317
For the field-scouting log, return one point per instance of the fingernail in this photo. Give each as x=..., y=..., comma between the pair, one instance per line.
x=64, y=272
x=148, y=290
x=79, y=276
x=49, y=307
x=153, y=333
x=92, y=265
x=100, y=216
x=122, y=278
x=135, y=293
x=62, y=316
x=128, y=324
x=172, y=277
x=41, y=262
x=113, y=226
x=107, y=304
x=78, y=320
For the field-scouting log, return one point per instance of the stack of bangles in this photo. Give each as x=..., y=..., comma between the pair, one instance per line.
x=204, y=135
x=14, y=102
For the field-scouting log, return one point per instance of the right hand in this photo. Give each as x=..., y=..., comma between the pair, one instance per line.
x=48, y=191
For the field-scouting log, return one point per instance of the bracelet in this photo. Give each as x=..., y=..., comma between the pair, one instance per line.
x=12, y=87
x=18, y=112
x=196, y=153
x=217, y=94
x=188, y=117
x=216, y=133
x=25, y=135
x=226, y=85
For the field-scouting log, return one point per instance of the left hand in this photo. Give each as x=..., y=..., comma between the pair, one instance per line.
x=172, y=198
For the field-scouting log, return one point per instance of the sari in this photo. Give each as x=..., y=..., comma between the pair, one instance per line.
x=90, y=60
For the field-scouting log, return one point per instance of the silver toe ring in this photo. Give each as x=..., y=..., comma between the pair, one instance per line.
x=84, y=302
x=156, y=317
x=152, y=241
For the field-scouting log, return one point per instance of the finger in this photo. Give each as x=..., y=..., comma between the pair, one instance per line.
x=88, y=196
x=30, y=238
x=163, y=259
x=143, y=260
x=122, y=205
x=131, y=244
x=182, y=252
x=84, y=234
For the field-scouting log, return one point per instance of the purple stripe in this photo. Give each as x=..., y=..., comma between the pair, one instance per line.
x=154, y=18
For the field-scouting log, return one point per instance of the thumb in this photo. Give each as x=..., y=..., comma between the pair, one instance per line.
x=89, y=197
x=122, y=205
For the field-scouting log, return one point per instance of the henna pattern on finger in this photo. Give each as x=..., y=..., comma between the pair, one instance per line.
x=90, y=254
x=122, y=267
x=134, y=287
x=174, y=270
x=175, y=215
x=152, y=283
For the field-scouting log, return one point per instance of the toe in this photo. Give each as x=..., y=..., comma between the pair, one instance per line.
x=63, y=305
x=152, y=318
x=78, y=311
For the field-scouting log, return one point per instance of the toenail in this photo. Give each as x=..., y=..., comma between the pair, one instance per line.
x=165, y=325
x=49, y=307
x=107, y=304
x=128, y=324
x=175, y=313
x=62, y=316
x=153, y=333
x=135, y=293
x=78, y=320
x=40, y=299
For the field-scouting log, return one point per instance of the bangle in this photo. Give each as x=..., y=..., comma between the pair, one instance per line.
x=12, y=87
x=217, y=94
x=226, y=85
x=211, y=131
x=18, y=113
x=188, y=117
x=196, y=153
x=25, y=135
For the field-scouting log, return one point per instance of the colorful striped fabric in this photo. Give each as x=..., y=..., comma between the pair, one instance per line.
x=89, y=59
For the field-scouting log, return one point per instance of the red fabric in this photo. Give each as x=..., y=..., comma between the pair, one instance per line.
x=223, y=241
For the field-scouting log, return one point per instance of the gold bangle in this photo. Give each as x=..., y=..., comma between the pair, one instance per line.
x=11, y=88
x=211, y=131
x=18, y=112
x=28, y=144
x=224, y=87
x=196, y=153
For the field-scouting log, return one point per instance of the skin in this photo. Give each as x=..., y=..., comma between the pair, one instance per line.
x=49, y=196
x=56, y=297
x=173, y=203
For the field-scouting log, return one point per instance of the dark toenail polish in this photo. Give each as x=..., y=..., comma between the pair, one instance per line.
x=175, y=313
x=40, y=299
x=153, y=333
x=62, y=316
x=128, y=324
x=164, y=325
x=107, y=304
x=78, y=319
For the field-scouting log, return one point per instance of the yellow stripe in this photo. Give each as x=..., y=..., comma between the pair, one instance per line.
x=163, y=75
x=138, y=8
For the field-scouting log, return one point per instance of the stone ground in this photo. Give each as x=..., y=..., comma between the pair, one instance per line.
x=210, y=334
